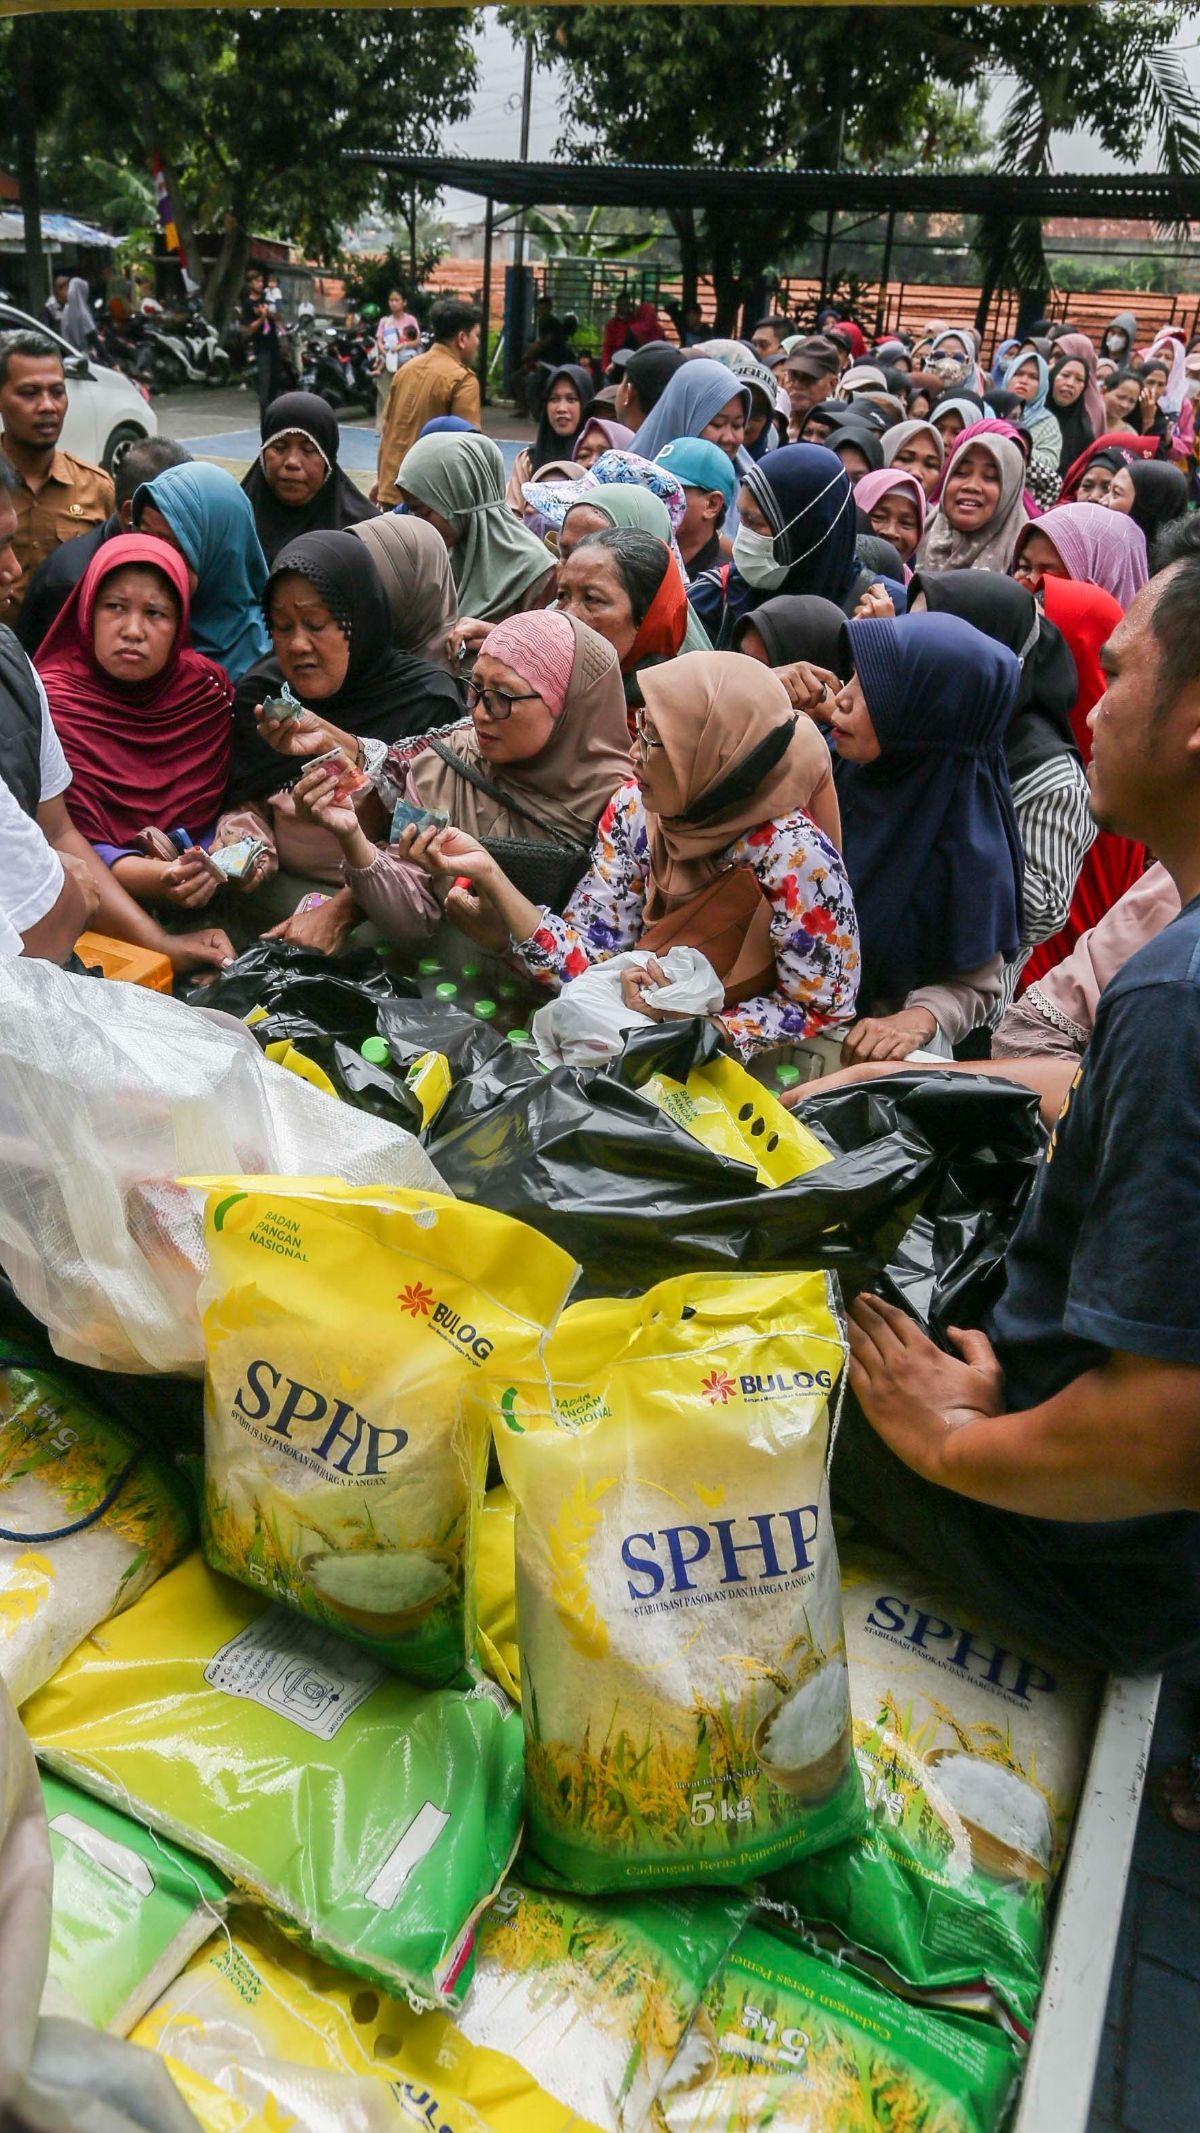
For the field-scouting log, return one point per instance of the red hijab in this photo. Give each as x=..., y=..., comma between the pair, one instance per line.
x=664, y=624
x=152, y=754
x=1086, y=616
x=1123, y=441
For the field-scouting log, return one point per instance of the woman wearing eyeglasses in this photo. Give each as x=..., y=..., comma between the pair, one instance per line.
x=709, y=843
x=525, y=781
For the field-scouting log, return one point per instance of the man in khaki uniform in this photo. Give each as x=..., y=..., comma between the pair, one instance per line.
x=57, y=495
x=440, y=382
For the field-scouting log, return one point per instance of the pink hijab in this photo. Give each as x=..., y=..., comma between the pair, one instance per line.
x=1099, y=547
x=1079, y=346
x=872, y=487
x=989, y=426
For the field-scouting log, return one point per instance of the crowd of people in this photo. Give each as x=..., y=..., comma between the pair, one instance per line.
x=873, y=673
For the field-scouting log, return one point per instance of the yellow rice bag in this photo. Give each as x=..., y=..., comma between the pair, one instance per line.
x=685, y=1692
x=348, y=1333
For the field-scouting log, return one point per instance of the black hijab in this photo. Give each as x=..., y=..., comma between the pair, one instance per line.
x=548, y=445
x=797, y=626
x=1040, y=727
x=1077, y=431
x=337, y=502
x=386, y=695
x=1160, y=494
x=864, y=440
x=650, y=371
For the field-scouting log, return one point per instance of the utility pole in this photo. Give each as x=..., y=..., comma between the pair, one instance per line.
x=526, y=101
x=25, y=82
x=515, y=309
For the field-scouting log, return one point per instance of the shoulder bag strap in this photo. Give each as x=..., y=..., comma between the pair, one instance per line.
x=508, y=801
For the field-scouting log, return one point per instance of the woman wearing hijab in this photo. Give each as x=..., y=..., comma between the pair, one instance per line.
x=929, y=832
x=703, y=399
x=1151, y=493
x=1085, y=617
x=644, y=380
x=143, y=719
x=331, y=633
x=499, y=567
x=78, y=325
x=1028, y=376
x=622, y=489
x=623, y=582
x=1078, y=346
x=1120, y=337
x=980, y=513
x=893, y=504
x=797, y=534
x=535, y=767
x=598, y=436
x=1068, y=385
x=414, y=570
x=1112, y=449
x=859, y=450
x=952, y=358
x=952, y=413
x=1086, y=542
x=200, y=510
x=918, y=448
x=296, y=485
x=1049, y=785
x=708, y=845
x=569, y=388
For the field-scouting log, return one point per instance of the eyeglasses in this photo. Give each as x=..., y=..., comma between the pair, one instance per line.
x=645, y=731
x=497, y=703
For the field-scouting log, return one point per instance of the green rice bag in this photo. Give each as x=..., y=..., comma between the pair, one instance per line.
x=130, y=1910
x=374, y=1818
x=784, y=2041
x=972, y=1750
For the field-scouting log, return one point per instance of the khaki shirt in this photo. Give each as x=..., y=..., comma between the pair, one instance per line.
x=73, y=498
x=433, y=384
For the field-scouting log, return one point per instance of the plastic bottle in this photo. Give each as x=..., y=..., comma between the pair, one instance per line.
x=485, y=1009
x=375, y=1051
x=520, y=1040
x=447, y=990
x=786, y=1077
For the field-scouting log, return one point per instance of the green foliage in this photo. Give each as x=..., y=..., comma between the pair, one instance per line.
x=370, y=281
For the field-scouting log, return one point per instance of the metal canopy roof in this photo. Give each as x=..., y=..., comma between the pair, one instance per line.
x=1156, y=197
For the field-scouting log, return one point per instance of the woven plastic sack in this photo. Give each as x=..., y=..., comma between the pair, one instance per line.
x=108, y=1095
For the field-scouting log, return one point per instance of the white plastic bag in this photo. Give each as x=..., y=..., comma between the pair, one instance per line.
x=109, y=1094
x=586, y=1024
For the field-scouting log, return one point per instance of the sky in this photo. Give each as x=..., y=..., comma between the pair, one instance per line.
x=494, y=128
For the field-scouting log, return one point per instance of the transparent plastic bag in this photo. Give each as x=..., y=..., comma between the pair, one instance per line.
x=108, y=1095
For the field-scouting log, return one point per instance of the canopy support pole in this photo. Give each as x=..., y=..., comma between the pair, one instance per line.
x=487, y=300
x=825, y=252
x=885, y=271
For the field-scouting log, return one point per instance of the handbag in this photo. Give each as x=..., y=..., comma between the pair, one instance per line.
x=729, y=921
x=543, y=871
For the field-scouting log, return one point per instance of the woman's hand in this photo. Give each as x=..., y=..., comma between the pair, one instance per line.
x=809, y=688
x=466, y=639
x=638, y=982
x=327, y=929
x=875, y=602
x=448, y=851
x=476, y=915
x=303, y=736
x=199, y=951
x=313, y=799
x=841, y=1078
x=888, y=1036
x=189, y=882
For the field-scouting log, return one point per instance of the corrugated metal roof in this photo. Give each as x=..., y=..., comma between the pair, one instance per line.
x=56, y=229
x=1151, y=197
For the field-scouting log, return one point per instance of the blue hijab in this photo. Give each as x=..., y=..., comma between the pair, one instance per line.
x=807, y=499
x=446, y=425
x=929, y=833
x=213, y=524
x=1034, y=410
x=698, y=390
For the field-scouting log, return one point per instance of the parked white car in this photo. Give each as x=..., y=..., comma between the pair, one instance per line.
x=105, y=410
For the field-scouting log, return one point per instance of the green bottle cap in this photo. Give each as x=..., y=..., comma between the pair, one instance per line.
x=447, y=991
x=786, y=1077
x=508, y=989
x=520, y=1039
x=486, y=1010
x=375, y=1051
x=428, y=967
x=469, y=973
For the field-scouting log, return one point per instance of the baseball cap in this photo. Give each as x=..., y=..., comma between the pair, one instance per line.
x=699, y=465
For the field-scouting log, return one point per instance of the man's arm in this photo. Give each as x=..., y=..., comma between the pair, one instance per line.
x=465, y=400
x=1120, y=1441
x=51, y=938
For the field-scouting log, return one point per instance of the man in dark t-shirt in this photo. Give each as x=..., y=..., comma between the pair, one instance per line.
x=1055, y=1469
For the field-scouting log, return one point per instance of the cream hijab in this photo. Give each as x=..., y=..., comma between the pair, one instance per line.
x=414, y=570
x=993, y=545
x=712, y=714
x=569, y=784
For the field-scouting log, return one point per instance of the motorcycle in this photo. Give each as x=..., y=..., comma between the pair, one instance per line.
x=183, y=351
x=335, y=368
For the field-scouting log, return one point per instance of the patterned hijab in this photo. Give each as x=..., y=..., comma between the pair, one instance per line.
x=1099, y=547
x=991, y=546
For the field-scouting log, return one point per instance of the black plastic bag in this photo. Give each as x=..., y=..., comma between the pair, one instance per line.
x=304, y=991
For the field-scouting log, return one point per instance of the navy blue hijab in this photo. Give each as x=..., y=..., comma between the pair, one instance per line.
x=929, y=833
x=805, y=495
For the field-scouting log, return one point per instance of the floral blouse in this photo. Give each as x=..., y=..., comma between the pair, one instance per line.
x=814, y=930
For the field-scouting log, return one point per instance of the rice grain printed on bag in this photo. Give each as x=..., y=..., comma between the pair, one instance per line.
x=786, y=2043
x=349, y=1334
x=972, y=1749
x=685, y=1696
x=61, y=1461
x=130, y=1909
x=374, y=1817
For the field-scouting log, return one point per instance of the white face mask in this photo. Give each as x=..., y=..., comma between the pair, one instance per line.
x=754, y=558
x=1114, y=342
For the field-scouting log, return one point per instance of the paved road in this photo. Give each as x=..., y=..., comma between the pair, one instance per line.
x=222, y=424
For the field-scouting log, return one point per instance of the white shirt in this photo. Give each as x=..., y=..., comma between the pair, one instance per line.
x=31, y=875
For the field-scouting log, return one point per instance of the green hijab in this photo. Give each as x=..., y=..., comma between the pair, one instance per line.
x=495, y=560
x=628, y=504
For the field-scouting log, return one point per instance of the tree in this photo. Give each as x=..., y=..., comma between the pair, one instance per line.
x=251, y=112
x=824, y=88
